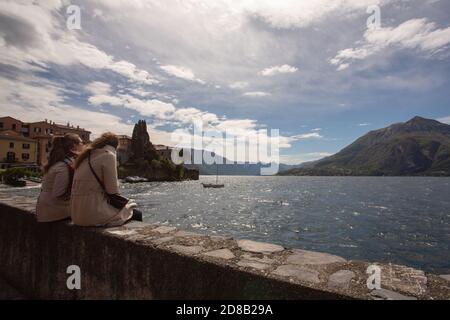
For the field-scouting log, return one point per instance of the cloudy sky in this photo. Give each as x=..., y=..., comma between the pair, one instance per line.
x=312, y=69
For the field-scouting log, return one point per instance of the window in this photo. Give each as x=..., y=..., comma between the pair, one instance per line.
x=11, y=144
x=1, y=125
x=26, y=146
x=10, y=157
x=14, y=126
x=25, y=156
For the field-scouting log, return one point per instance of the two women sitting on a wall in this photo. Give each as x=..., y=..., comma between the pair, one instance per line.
x=94, y=192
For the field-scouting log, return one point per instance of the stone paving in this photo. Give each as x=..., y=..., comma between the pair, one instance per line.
x=322, y=271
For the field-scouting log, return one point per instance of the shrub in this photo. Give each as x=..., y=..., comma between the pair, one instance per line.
x=18, y=173
x=155, y=164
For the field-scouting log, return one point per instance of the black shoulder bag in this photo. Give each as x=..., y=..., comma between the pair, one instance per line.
x=115, y=200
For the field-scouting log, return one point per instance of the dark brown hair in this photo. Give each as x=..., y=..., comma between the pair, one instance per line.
x=61, y=148
x=106, y=139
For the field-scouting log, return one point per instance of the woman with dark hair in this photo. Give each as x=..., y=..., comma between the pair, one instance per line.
x=53, y=203
x=95, y=197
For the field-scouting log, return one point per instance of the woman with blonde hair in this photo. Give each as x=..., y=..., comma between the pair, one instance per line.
x=95, y=197
x=53, y=203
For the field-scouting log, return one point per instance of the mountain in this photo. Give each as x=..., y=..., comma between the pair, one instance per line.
x=417, y=147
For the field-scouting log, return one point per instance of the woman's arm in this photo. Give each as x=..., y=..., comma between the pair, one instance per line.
x=109, y=170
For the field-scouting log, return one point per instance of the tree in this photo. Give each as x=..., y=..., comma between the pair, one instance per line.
x=141, y=147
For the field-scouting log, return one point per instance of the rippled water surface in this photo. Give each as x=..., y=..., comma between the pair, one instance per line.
x=401, y=220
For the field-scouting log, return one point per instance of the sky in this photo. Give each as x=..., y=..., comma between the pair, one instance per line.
x=321, y=72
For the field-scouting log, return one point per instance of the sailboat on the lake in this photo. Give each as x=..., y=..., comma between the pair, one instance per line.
x=214, y=185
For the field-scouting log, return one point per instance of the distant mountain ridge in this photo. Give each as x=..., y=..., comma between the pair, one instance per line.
x=417, y=147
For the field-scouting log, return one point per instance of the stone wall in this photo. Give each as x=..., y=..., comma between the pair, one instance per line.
x=144, y=261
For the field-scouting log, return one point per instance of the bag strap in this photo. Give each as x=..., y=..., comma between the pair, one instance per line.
x=71, y=173
x=95, y=175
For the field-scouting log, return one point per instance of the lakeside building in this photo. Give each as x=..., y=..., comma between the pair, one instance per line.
x=123, y=149
x=163, y=151
x=16, y=149
x=41, y=132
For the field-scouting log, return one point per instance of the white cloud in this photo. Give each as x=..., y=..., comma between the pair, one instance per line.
x=162, y=113
x=98, y=88
x=181, y=72
x=238, y=85
x=105, y=99
x=412, y=34
x=130, y=71
x=140, y=92
x=304, y=136
x=237, y=126
x=151, y=107
x=363, y=124
x=289, y=14
x=47, y=42
x=285, y=68
x=159, y=110
x=256, y=94
x=343, y=66
x=444, y=120
x=30, y=100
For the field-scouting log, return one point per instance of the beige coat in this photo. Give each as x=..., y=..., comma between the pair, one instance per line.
x=50, y=205
x=89, y=206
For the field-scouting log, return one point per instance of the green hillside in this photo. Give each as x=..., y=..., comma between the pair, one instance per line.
x=417, y=147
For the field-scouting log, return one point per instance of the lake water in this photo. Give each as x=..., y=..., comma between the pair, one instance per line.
x=401, y=220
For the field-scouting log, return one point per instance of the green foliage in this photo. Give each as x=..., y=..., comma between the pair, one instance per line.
x=18, y=173
x=180, y=171
x=156, y=164
x=168, y=165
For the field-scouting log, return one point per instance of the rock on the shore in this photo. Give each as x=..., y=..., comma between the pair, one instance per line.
x=189, y=250
x=164, y=229
x=445, y=276
x=298, y=272
x=302, y=257
x=135, y=179
x=221, y=254
x=258, y=247
x=340, y=279
x=253, y=264
x=404, y=279
x=390, y=295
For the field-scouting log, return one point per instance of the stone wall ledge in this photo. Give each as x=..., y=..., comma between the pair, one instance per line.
x=148, y=261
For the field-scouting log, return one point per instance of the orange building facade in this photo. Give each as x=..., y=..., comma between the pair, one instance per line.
x=41, y=132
